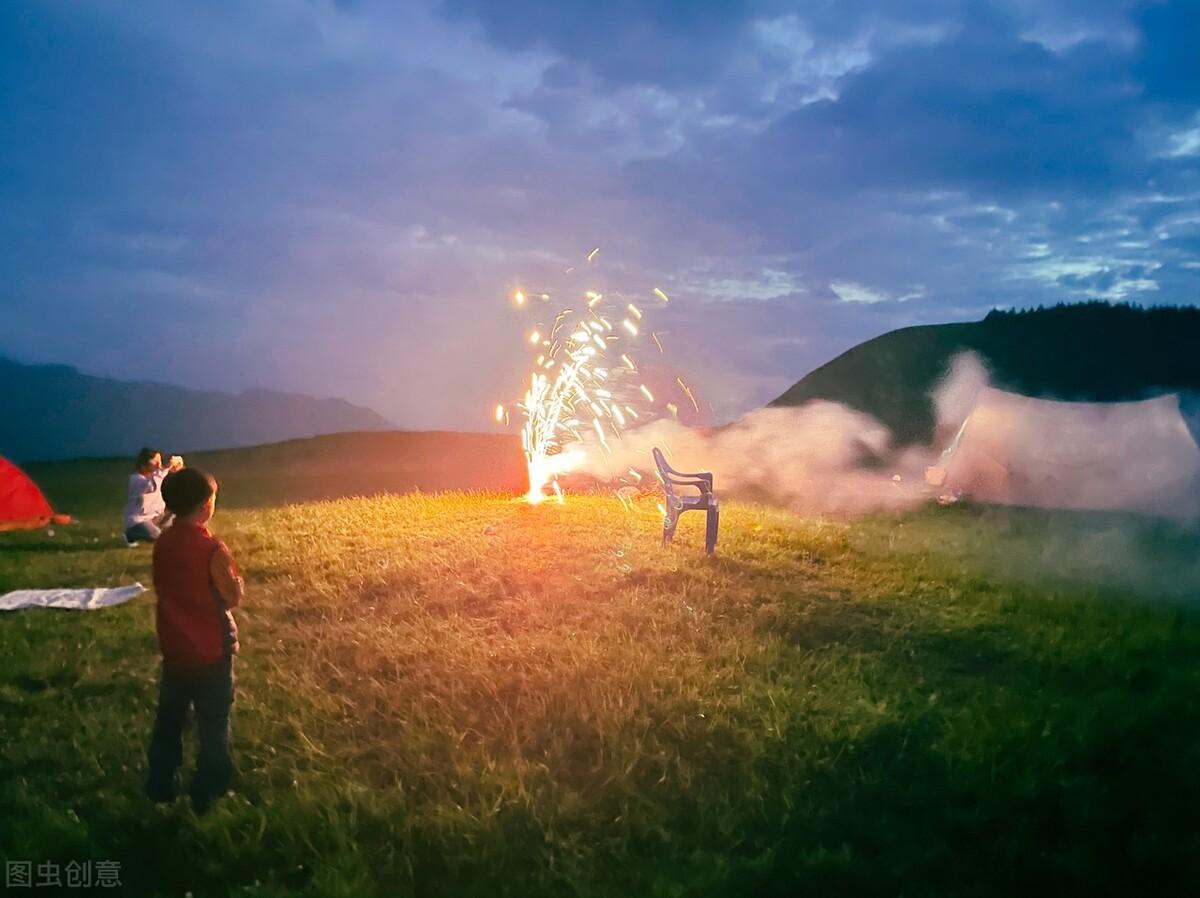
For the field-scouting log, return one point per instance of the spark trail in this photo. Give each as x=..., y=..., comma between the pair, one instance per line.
x=584, y=381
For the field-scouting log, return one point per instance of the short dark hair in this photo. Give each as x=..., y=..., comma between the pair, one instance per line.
x=187, y=489
x=143, y=457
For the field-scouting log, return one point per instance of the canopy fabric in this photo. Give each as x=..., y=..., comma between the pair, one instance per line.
x=73, y=599
x=1134, y=456
x=22, y=505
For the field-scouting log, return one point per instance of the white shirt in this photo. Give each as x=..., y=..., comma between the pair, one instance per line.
x=145, y=502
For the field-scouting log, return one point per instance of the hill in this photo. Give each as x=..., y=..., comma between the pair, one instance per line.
x=55, y=412
x=323, y=467
x=1088, y=352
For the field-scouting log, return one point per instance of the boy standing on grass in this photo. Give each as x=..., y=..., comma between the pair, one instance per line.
x=197, y=583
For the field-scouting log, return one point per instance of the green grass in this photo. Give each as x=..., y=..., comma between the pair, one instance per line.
x=458, y=694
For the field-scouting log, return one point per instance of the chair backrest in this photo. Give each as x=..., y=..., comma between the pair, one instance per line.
x=671, y=479
x=664, y=470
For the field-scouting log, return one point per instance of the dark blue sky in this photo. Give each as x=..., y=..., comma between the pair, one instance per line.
x=337, y=197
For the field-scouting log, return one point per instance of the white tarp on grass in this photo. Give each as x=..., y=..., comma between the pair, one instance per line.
x=75, y=599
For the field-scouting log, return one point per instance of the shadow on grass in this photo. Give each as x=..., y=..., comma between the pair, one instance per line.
x=1039, y=778
x=1027, y=775
x=1116, y=816
x=69, y=548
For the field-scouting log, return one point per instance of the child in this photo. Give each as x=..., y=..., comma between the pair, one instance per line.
x=145, y=514
x=197, y=582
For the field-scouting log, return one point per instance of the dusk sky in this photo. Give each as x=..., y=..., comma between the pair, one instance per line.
x=338, y=198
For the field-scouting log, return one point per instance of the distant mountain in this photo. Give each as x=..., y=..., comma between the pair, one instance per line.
x=1086, y=352
x=54, y=412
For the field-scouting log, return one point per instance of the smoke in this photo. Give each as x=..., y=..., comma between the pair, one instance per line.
x=1017, y=450
x=956, y=394
x=826, y=458
x=818, y=458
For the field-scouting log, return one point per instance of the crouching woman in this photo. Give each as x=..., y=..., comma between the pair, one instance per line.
x=145, y=512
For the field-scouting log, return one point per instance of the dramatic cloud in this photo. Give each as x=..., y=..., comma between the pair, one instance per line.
x=337, y=197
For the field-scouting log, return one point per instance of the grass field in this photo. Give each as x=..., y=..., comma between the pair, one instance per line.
x=459, y=694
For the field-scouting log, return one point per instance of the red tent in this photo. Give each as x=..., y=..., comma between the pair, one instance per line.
x=22, y=505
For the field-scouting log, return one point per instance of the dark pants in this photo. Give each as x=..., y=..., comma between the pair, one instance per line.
x=145, y=532
x=148, y=531
x=210, y=690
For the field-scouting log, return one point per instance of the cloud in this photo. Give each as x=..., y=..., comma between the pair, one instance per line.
x=1167, y=65
x=1185, y=142
x=848, y=291
x=763, y=285
x=626, y=42
x=337, y=197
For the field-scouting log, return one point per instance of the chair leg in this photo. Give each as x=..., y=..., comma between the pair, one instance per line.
x=669, y=522
x=710, y=531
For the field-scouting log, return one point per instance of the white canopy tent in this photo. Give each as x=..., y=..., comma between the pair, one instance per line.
x=1130, y=456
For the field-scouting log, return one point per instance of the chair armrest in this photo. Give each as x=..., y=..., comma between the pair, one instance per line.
x=703, y=483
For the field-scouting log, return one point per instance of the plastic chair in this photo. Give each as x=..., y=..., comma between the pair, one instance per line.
x=676, y=504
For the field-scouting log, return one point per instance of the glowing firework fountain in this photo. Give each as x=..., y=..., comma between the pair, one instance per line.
x=584, y=381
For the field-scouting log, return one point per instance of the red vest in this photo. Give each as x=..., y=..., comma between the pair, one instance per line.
x=194, y=627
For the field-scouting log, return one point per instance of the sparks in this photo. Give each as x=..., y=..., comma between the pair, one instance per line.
x=688, y=390
x=591, y=388
x=550, y=407
x=600, y=432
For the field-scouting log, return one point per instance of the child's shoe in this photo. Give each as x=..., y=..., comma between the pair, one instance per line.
x=162, y=791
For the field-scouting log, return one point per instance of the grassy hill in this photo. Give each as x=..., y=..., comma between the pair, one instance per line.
x=330, y=466
x=460, y=694
x=55, y=412
x=1094, y=351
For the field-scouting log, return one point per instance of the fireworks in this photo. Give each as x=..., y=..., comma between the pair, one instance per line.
x=582, y=381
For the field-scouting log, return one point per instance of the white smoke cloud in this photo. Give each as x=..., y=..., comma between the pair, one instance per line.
x=818, y=458
x=1016, y=450
x=955, y=395
x=826, y=458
